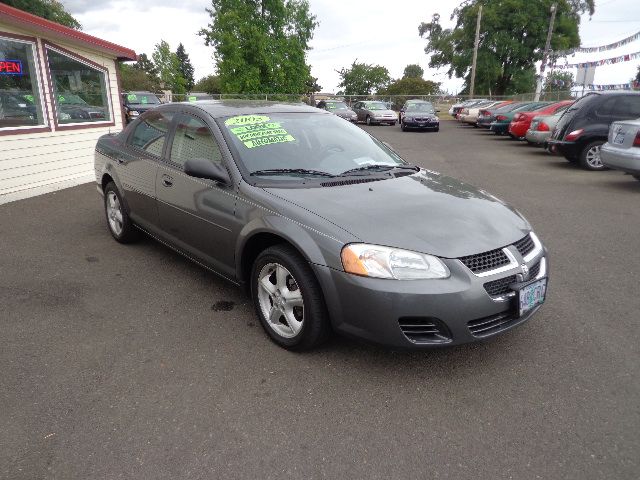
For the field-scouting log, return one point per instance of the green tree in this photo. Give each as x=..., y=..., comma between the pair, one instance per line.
x=312, y=85
x=146, y=65
x=260, y=45
x=168, y=66
x=132, y=78
x=510, y=44
x=208, y=84
x=186, y=68
x=363, y=78
x=413, y=71
x=411, y=86
x=50, y=9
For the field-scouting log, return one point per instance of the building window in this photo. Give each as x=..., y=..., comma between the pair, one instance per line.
x=20, y=96
x=80, y=91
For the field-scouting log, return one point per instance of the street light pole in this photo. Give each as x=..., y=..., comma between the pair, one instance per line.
x=554, y=9
x=475, y=55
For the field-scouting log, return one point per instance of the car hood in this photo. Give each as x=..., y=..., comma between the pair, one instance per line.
x=425, y=212
x=383, y=112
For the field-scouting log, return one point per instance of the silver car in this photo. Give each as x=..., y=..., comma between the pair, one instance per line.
x=375, y=113
x=541, y=128
x=622, y=150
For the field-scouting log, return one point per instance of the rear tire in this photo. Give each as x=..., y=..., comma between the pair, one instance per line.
x=288, y=299
x=368, y=121
x=120, y=225
x=590, y=156
x=402, y=127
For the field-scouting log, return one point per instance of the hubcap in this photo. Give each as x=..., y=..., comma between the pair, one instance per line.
x=280, y=300
x=593, y=157
x=114, y=213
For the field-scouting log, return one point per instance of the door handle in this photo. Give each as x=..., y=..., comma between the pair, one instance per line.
x=167, y=181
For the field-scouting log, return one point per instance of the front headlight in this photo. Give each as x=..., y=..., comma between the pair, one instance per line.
x=384, y=262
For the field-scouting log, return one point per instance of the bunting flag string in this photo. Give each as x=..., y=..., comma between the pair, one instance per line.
x=608, y=61
x=603, y=48
x=621, y=86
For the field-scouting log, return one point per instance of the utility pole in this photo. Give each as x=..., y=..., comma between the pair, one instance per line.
x=554, y=9
x=475, y=54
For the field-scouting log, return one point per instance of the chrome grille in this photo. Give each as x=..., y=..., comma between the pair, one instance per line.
x=484, y=262
x=525, y=245
x=535, y=270
x=499, y=287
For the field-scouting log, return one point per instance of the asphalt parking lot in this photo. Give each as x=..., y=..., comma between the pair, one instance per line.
x=131, y=362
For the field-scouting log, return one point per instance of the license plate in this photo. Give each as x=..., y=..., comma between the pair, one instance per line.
x=531, y=295
x=421, y=124
x=619, y=138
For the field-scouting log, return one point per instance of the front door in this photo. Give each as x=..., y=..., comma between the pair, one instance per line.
x=197, y=215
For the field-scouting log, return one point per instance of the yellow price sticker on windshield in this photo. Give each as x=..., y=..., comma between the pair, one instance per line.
x=261, y=142
x=246, y=120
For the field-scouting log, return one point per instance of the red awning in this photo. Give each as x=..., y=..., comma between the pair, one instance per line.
x=52, y=30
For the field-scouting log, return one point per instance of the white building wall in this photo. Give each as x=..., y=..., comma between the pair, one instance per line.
x=36, y=163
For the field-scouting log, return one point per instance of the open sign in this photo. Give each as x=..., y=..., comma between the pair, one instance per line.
x=11, y=67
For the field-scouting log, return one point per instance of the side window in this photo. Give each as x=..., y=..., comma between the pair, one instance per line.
x=630, y=106
x=193, y=139
x=151, y=132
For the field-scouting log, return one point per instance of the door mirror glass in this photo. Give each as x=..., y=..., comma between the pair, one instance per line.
x=203, y=168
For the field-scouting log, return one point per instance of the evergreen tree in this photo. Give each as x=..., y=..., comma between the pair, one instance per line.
x=185, y=67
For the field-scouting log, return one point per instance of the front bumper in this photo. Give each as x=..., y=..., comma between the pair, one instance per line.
x=415, y=124
x=627, y=160
x=379, y=310
x=384, y=119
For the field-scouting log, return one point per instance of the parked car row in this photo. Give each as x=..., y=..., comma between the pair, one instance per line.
x=138, y=102
x=598, y=131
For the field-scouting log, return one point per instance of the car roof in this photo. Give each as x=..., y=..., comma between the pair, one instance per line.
x=226, y=108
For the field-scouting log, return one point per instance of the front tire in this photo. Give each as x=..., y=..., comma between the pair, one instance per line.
x=118, y=221
x=288, y=300
x=368, y=121
x=590, y=156
x=402, y=127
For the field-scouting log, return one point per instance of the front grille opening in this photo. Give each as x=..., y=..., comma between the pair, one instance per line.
x=525, y=245
x=425, y=330
x=487, y=326
x=500, y=287
x=535, y=270
x=484, y=262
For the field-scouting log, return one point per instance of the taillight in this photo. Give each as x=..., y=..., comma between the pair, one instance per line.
x=574, y=135
x=636, y=141
x=501, y=118
x=543, y=127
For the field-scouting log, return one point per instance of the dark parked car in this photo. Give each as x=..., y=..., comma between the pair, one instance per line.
x=327, y=227
x=584, y=127
x=136, y=103
x=420, y=115
x=73, y=108
x=338, y=108
x=16, y=108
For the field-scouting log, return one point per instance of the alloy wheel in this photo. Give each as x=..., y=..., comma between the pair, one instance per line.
x=114, y=213
x=280, y=300
x=593, y=157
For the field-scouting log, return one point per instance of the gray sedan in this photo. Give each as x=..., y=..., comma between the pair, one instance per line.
x=327, y=228
x=622, y=151
x=375, y=113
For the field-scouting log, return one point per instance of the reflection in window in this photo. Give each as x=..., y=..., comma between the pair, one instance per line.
x=80, y=91
x=193, y=140
x=151, y=133
x=20, y=101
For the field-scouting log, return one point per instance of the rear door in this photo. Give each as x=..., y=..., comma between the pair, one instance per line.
x=197, y=215
x=138, y=166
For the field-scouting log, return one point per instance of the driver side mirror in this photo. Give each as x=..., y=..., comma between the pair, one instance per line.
x=203, y=168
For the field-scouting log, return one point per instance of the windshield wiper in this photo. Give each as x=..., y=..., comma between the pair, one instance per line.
x=284, y=171
x=380, y=168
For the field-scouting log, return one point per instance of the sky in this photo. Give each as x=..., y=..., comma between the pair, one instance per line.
x=371, y=31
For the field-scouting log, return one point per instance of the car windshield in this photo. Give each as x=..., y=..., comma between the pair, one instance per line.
x=141, y=99
x=420, y=107
x=304, y=145
x=375, y=106
x=336, y=106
